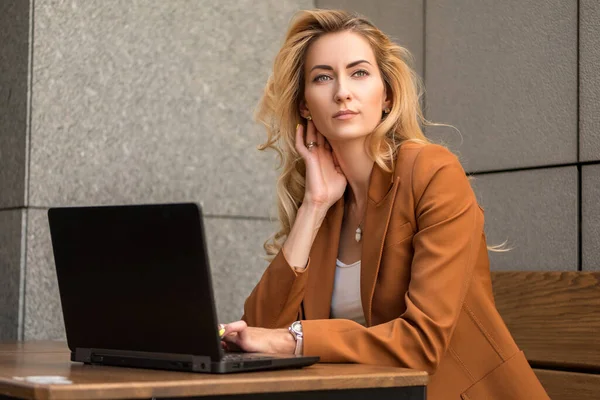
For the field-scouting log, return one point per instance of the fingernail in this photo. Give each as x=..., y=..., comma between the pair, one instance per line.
x=297, y=125
x=221, y=332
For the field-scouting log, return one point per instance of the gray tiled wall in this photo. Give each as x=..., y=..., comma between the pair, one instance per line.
x=11, y=232
x=43, y=315
x=153, y=101
x=590, y=217
x=589, y=46
x=505, y=74
x=536, y=212
x=14, y=56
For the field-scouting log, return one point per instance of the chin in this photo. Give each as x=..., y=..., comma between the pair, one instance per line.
x=347, y=136
x=347, y=133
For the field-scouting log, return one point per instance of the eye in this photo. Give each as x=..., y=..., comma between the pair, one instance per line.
x=321, y=78
x=361, y=73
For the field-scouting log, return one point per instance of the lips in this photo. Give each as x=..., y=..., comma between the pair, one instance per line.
x=344, y=112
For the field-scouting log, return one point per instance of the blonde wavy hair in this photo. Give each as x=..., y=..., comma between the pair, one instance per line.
x=278, y=109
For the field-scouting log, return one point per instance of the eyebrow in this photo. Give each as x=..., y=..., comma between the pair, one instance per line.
x=328, y=67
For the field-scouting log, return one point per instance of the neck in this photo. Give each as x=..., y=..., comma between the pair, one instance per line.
x=356, y=166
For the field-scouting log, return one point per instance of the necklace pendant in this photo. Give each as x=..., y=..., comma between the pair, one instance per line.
x=358, y=234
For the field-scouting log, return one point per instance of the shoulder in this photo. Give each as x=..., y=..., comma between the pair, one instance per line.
x=423, y=158
x=431, y=167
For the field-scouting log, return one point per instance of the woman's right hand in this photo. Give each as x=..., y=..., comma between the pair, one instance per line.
x=325, y=181
x=325, y=184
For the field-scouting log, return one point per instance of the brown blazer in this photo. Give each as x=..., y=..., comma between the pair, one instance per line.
x=425, y=286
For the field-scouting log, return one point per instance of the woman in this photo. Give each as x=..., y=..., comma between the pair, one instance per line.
x=381, y=257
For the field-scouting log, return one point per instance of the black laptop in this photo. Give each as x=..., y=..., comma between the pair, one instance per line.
x=135, y=288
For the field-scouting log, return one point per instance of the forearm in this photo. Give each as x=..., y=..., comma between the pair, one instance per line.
x=275, y=301
x=396, y=343
x=297, y=246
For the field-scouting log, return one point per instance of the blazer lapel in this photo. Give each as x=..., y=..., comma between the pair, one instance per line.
x=382, y=192
x=319, y=289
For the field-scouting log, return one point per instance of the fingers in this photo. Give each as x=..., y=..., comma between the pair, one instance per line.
x=311, y=132
x=306, y=145
x=299, y=138
x=230, y=346
x=300, y=145
x=230, y=338
x=229, y=334
x=314, y=139
x=233, y=327
x=312, y=136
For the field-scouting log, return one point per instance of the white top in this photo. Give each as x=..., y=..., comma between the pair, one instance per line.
x=345, y=301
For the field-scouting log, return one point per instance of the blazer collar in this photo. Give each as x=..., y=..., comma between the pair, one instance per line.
x=380, y=183
x=317, y=299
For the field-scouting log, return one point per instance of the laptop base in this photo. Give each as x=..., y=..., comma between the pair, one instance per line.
x=188, y=363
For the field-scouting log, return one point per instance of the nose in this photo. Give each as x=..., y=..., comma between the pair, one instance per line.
x=342, y=93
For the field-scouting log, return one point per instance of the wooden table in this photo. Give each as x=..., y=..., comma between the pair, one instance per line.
x=25, y=367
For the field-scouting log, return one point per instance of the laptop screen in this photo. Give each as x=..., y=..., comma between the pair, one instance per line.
x=135, y=278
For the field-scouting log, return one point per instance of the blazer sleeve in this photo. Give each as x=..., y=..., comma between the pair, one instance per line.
x=275, y=301
x=449, y=233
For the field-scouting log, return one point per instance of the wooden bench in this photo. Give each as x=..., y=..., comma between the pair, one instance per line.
x=555, y=319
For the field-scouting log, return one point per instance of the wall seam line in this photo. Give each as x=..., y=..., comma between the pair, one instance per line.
x=532, y=168
x=24, y=216
x=579, y=166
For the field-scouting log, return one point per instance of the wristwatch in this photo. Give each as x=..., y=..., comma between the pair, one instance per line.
x=296, y=331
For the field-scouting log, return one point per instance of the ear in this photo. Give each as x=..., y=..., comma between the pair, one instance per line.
x=387, y=98
x=303, y=108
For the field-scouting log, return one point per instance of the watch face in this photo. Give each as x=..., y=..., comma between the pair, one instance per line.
x=297, y=327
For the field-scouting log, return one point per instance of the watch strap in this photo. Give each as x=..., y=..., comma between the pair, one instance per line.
x=299, y=346
x=298, y=337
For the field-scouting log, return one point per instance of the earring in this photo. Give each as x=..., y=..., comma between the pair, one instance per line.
x=309, y=118
x=387, y=110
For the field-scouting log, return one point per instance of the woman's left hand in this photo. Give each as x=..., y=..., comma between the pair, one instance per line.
x=238, y=335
